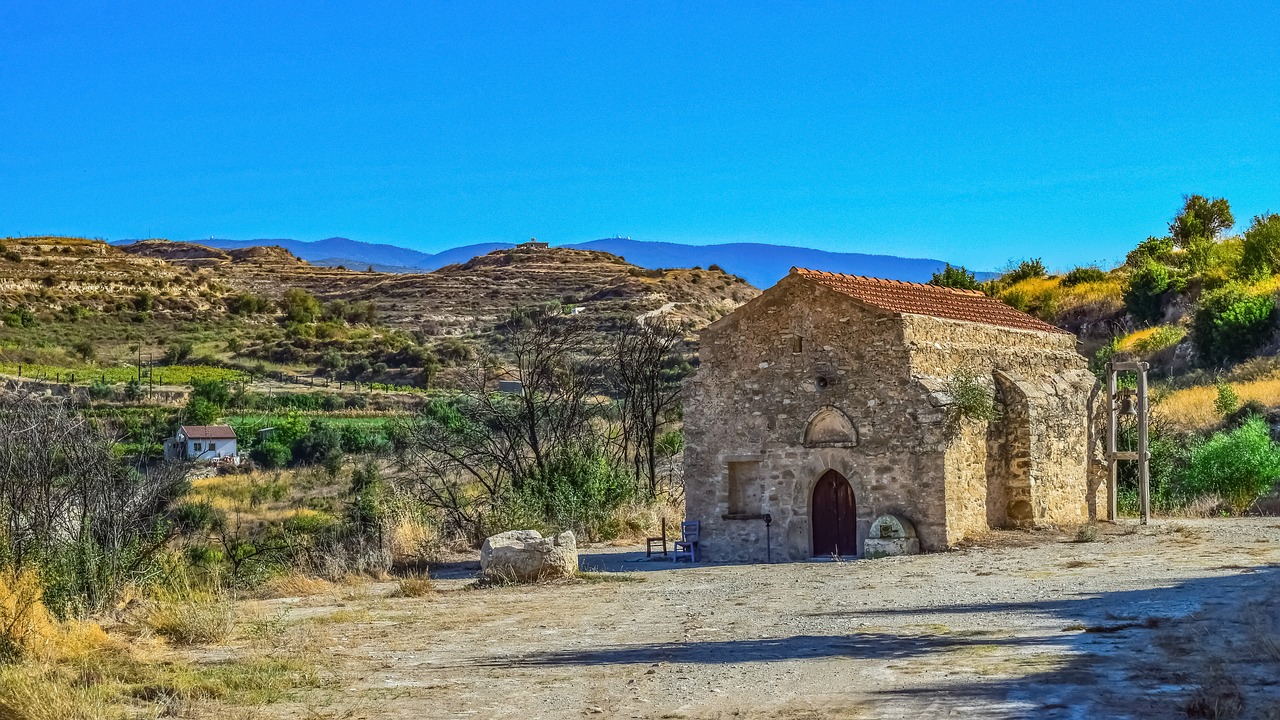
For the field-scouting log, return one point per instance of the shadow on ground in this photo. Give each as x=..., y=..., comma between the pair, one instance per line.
x=1085, y=656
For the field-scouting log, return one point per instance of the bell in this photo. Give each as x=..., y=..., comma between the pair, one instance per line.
x=1127, y=405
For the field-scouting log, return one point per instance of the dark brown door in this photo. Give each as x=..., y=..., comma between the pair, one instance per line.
x=834, y=517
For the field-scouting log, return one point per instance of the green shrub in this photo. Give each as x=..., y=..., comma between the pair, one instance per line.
x=1227, y=401
x=1026, y=270
x=1144, y=294
x=214, y=391
x=1230, y=324
x=580, y=490
x=20, y=317
x=321, y=445
x=1261, y=250
x=1153, y=249
x=1238, y=466
x=178, y=352
x=299, y=306
x=99, y=390
x=1081, y=275
x=201, y=412
x=271, y=455
x=972, y=398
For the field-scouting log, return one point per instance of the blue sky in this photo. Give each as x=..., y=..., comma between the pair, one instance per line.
x=972, y=132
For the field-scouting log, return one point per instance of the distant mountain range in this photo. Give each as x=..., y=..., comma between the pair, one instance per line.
x=760, y=264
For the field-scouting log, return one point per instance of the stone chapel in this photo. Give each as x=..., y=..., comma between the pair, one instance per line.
x=826, y=402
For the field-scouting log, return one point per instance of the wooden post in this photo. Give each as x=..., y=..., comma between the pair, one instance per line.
x=1112, y=474
x=1144, y=454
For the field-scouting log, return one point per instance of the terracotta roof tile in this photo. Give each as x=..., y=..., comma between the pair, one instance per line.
x=920, y=299
x=209, y=432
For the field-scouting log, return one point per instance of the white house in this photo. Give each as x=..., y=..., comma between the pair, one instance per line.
x=202, y=442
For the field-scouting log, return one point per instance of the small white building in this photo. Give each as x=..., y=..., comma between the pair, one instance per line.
x=209, y=443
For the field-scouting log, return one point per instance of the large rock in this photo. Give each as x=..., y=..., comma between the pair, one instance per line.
x=526, y=556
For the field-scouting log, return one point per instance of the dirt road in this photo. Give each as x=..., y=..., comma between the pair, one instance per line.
x=1031, y=625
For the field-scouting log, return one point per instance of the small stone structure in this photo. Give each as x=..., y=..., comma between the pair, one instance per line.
x=891, y=535
x=826, y=403
x=526, y=556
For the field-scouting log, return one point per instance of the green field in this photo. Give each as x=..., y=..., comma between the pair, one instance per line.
x=84, y=374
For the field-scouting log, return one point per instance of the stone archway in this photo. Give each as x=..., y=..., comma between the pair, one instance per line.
x=833, y=517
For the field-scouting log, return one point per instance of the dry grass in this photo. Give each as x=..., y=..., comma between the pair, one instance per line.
x=414, y=586
x=1048, y=299
x=294, y=584
x=29, y=631
x=1152, y=339
x=1192, y=408
x=197, y=622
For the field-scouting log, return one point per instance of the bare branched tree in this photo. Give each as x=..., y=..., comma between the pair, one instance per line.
x=463, y=456
x=67, y=500
x=645, y=372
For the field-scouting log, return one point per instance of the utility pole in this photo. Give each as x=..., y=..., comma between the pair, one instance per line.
x=1128, y=403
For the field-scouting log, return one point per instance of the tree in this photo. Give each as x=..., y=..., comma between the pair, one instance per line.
x=955, y=277
x=645, y=373
x=464, y=456
x=1201, y=217
x=201, y=412
x=1262, y=247
x=1153, y=249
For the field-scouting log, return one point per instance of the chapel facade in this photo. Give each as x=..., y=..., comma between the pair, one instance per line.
x=829, y=401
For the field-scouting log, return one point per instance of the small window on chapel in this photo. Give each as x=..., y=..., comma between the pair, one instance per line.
x=797, y=345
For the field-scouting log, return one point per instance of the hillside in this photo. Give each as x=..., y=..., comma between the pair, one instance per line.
x=760, y=264
x=77, y=303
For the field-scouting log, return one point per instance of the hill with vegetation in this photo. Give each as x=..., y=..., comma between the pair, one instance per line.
x=1199, y=304
x=74, y=305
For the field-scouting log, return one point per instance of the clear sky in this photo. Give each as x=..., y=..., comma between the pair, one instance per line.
x=966, y=131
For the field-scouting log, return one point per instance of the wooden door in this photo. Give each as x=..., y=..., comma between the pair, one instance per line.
x=834, y=517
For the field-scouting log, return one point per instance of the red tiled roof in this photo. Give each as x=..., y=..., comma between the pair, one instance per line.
x=920, y=299
x=209, y=432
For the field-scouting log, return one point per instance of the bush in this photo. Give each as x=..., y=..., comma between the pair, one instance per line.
x=201, y=412
x=1143, y=297
x=214, y=391
x=322, y=445
x=190, y=623
x=972, y=399
x=248, y=304
x=1153, y=249
x=299, y=306
x=1082, y=275
x=271, y=455
x=178, y=353
x=1230, y=324
x=100, y=390
x=579, y=491
x=1227, y=401
x=1239, y=466
x=1026, y=270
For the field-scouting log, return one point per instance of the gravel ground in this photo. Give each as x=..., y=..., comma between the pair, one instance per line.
x=1138, y=624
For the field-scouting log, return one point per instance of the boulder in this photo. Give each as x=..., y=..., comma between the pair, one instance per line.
x=526, y=556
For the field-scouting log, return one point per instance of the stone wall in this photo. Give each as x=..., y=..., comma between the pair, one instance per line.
x=1031, y=466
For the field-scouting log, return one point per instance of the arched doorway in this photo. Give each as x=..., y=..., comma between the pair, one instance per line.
x=834, y=516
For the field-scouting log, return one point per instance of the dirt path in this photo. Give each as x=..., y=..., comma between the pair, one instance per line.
x=1125, y=627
